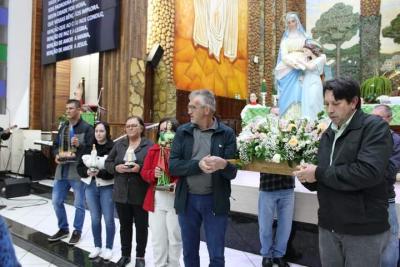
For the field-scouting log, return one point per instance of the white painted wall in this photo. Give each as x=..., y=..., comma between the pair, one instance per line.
x=18, y=63
x=88, y=67
x=18, y=73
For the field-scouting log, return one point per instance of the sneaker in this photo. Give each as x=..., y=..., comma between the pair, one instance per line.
x=74, y=237
x=107, y=254
x=139, y=262
x=95, y=252
x=59, y=235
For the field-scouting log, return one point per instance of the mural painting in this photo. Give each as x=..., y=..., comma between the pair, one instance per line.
x=211, y=46
x=337, y=25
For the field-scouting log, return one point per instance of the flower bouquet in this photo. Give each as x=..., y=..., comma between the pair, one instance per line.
x=274, y=145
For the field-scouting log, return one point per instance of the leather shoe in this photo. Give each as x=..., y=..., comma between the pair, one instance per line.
x=267, y=262
x=139, y=263
x=281, y=262
x=123, y=261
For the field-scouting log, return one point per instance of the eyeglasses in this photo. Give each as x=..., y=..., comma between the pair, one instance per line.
x=193, y=107
x=131, y=125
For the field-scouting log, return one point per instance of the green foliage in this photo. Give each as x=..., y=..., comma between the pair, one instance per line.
x=374, y=87
x=393, y=31
x=62, y=118
x=337, y=25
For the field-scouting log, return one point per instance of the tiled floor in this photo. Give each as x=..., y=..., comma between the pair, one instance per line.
x=37, y=213
x=27, y=259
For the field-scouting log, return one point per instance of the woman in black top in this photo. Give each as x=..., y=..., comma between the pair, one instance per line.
x=125, y=162
x=99, y=190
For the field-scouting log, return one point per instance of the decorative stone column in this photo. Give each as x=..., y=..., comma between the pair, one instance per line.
x=370, y=26
x=136, y=87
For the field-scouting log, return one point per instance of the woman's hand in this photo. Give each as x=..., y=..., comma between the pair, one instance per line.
x=122, y=168
x=157, y=172
x=92, y=173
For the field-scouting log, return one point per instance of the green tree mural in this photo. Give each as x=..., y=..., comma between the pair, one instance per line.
x=336, y=26
x=393, y=31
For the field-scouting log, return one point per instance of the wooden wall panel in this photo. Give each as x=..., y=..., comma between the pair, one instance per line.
x=62, y=89
x=48, y=89
x=35, y=103
x=228, y=109
x=115, y=65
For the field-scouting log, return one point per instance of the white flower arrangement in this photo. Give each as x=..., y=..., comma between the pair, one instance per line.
x=277, y=140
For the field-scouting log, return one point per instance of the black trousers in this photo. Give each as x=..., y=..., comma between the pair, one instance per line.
x=127, y=214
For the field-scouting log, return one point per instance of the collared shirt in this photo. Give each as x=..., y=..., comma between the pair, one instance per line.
x=338, y=132
x=201, y=184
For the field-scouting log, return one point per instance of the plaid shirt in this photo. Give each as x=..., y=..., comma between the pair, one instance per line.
x=274, y=182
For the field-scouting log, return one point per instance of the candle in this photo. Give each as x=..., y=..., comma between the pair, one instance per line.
x=263, y=86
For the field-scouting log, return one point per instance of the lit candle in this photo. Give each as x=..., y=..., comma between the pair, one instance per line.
x=263, y=86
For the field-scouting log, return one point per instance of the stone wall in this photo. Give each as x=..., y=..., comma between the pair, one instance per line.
x=136, y=87
x=164, y=98
x=266, y=26
x=370, y=26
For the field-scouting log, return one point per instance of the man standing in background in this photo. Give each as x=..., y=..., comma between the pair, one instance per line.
x=390, y=254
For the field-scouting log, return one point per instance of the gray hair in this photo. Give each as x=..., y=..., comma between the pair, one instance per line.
x=386, y=109
x=207, y=97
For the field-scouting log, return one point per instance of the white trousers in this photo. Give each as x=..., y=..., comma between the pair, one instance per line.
x=166, y=233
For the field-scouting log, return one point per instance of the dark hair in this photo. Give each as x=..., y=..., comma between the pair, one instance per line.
x=174, y=123
x=141, y=122
x=106, y=127
x=76, y=102
x=344, y=88
x=317, y=51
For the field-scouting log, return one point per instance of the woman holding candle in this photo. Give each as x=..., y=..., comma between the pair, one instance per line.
x=130, y=189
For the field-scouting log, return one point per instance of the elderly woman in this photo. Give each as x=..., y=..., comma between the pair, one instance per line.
x=287, y=70
x=125, y=161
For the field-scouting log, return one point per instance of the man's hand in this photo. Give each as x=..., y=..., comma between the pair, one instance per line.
x=75, y=141
x=306, y=173
x=210, y=164
x=56, y=159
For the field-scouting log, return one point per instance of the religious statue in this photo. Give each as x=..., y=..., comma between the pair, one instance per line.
x=312, y=99
x=165, y=142
x=288, y=71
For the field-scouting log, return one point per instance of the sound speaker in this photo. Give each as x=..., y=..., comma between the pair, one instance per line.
x=155, y=55
x=37, y=165
x=16, y=187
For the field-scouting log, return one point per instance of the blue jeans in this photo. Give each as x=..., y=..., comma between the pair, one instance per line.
x=199, y=209
x=283, y=202
x=60, y=191
x=99, y=200
x=390, y=254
